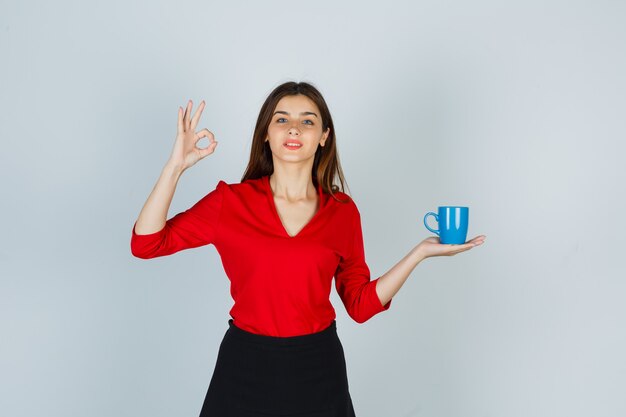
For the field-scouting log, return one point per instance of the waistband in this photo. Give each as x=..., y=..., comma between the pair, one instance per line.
x=323, y=335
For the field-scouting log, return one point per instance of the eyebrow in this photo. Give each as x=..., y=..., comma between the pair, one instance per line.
x=304, y=113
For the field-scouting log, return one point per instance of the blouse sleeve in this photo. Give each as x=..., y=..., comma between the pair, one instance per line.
x=194, y=227
x=352, y=277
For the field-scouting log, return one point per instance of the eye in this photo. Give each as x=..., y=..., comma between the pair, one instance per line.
x=282, y=118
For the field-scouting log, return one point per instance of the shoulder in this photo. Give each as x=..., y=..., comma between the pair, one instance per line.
x=240, y=188
x=343, y=204
x=339, y=197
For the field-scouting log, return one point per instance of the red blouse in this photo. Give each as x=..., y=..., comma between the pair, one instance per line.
x=280, y=283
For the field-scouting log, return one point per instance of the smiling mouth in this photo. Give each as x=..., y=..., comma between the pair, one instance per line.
x=292, y=146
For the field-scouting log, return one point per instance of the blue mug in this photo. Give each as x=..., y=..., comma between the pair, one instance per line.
x=452, y=222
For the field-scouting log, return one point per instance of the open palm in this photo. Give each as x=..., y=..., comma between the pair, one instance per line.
x=432, y=246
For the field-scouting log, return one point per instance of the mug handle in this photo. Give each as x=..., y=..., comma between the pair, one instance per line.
x=426, y=224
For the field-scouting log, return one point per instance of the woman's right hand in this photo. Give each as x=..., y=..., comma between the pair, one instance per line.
x=185, y=153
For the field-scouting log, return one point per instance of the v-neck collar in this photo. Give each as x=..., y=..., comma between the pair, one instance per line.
x=270, y=196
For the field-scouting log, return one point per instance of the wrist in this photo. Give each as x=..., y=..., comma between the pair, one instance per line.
x=173, y=170
x=417, y=254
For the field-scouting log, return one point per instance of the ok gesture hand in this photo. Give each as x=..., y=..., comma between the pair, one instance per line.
x=185, y=153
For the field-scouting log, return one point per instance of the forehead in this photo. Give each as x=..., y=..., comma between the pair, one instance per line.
x=298, y=103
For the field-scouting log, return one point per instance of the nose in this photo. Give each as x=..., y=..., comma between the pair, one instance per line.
x=293, y=131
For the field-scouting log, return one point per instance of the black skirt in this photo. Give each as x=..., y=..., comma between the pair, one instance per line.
x=257, y=375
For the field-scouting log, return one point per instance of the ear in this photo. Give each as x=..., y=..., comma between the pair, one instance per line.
x=325, y=136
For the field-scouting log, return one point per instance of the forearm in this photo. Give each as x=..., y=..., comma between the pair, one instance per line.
x=390, y=283
x=153, y=215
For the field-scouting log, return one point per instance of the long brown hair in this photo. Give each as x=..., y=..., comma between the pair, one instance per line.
x=326, y=165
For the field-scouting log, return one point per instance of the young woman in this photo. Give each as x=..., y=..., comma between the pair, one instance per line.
x=282, y=233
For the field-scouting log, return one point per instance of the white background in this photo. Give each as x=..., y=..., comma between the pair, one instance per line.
x=515, y=109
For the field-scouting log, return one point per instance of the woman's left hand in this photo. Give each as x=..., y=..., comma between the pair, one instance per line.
x=431, y=246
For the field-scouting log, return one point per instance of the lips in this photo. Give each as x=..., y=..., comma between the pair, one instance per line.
x=292, y=144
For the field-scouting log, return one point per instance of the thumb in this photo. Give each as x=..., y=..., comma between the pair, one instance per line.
x=206, y=133
x=209, y=149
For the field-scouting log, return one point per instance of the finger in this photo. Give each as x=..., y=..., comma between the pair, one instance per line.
x=463, y=248
x=208, y=150
x=185, y=116
x=196, y=117
x=206, y=133
x=187, y=113
x=180, y=119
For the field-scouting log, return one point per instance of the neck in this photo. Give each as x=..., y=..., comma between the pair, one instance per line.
x=293, y=186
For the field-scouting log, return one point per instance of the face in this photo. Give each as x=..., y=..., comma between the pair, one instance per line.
x=296, y=120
